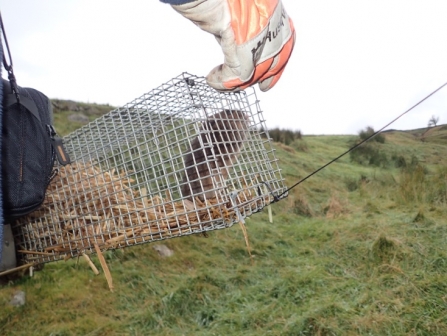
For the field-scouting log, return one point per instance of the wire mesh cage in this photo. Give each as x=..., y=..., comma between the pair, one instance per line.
x=181, y=159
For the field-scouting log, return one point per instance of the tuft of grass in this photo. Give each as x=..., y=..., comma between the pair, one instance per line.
x=300, y=145
x=302, y=207
x=353, y=184
x=336, y=207
x=385, y=249
x=418, y=185
x=438, y=186
x=371, y=209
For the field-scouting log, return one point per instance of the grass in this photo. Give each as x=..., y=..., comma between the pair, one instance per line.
x=63, y=109
x=355, y=250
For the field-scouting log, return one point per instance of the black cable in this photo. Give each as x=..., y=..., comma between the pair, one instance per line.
x=277, y=198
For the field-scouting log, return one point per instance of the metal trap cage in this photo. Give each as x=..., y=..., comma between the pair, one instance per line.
x=181, y=159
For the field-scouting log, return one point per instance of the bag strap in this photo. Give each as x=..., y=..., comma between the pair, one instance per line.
x=14, y=98
x=8, y=66
x=10, y=99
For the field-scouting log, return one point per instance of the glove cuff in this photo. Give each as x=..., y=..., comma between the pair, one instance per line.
x=212, y=16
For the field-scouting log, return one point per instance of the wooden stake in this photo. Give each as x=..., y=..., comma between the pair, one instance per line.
x=244, y=231
x=35, y=252
x=269, y=207
x=105, y=268
x=91, y=264
x=12, y=270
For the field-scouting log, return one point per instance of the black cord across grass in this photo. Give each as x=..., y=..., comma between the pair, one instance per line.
x=276, y=198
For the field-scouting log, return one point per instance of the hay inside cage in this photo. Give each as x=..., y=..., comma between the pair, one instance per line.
x=179, y=160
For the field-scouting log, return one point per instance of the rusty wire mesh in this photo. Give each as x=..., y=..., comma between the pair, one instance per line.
x=181, y=159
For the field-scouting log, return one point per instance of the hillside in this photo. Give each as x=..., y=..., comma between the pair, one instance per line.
x=70, y=115
x=436, y=134
x=357, y=249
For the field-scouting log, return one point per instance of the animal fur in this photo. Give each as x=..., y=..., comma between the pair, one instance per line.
x=213, y=152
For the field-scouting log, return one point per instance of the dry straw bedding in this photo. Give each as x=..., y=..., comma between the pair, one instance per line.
x=86, y=206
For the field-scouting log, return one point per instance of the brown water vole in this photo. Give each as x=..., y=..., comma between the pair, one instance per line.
x=213, y=152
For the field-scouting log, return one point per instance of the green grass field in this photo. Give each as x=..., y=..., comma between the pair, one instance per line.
x=358, y=249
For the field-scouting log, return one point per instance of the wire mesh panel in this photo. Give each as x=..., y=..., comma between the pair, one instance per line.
x=179, y=160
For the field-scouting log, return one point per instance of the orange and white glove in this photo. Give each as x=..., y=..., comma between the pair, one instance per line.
x=256, y=36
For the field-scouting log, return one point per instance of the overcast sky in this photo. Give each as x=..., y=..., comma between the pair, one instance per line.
x=356, y=63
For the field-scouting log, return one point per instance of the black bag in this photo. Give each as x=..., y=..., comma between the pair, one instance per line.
x=29, y=146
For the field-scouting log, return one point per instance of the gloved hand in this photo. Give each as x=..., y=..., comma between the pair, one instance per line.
x=256, y=36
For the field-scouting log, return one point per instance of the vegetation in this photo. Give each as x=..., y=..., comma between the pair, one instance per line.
x=370, y=152
x=63, y=109
x=284, y=136
x=369, y=132
x=358, y=249
x=433, y=121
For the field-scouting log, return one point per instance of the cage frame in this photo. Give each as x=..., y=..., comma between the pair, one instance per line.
x=169, y=117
